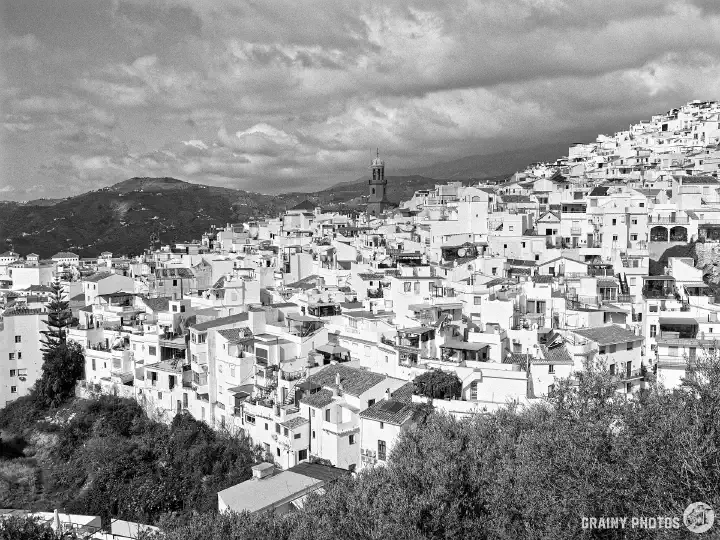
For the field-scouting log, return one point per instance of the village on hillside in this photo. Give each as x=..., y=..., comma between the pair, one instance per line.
x=323, y=336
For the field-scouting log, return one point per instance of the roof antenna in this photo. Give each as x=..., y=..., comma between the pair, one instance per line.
x=377, y=152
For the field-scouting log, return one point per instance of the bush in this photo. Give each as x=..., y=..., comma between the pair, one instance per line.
x=437, y=384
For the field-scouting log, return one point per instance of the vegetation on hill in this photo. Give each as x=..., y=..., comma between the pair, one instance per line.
x=121, y=218
x=586, y=451
x=521, y=474
x=106, y=457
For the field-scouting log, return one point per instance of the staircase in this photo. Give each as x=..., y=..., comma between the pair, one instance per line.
x=624, y=287
x=290, y=400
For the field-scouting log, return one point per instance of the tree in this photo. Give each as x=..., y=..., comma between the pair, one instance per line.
x=63, y=366
x=438, y=384
x=59, y=318
x=28, y=528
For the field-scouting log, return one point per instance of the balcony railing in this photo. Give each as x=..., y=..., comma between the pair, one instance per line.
x=668, y=220
x=575, y=230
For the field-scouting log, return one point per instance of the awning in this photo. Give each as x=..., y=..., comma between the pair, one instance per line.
x=302, y=318
x=678, y=320
x=696, y=284
x=464, y=346
x=658, y=278
x=330, y=348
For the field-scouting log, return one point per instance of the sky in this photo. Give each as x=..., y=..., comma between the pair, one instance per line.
x=278, y=95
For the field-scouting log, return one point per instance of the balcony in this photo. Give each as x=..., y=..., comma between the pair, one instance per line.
x=667, y=220
x=576, y=231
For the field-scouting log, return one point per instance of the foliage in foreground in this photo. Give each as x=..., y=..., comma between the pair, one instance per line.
x=521, y=474
x=109, y=459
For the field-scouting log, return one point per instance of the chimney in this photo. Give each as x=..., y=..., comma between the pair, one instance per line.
x=388, y=394
x=337, y=379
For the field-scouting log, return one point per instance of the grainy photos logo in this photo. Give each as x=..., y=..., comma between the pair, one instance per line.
x=698, y=518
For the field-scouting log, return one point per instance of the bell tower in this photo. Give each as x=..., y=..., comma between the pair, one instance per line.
x=377, y=199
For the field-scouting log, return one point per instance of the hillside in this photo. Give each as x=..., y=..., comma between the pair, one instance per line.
x=121, y=218
x=482, y=166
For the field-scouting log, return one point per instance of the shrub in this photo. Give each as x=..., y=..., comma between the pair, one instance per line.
x=438, y=384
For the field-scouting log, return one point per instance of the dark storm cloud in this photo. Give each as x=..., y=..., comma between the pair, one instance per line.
x=273, y=94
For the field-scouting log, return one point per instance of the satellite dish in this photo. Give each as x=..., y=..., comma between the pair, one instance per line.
x=461, y=252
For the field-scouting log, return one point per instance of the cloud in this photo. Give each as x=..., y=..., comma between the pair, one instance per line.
x=269, y=94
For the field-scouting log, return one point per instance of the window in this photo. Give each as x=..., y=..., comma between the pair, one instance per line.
x=13, y=389
x=159, y=395
x=615, y=237
x=232, y=371
x=174, y=308
x=633, y=237
x=11, y=356
x=18, y=339
x=249, y=419
x=371, y=402
x=612, y=348
x=494, y=271
x=152, y=350
x=602, y=350
x=633, y=281
x=302, y=455
x=93, y=364
x=407, y=286
x=19, y=356
x=278, y=451
x=327, y=415
x=551, y=368
x=477, y=300
x=382, y=450
x=634, y=221
x=297, y=436
x=382, y=425
x=614, y=221
x=12, y=372
x=174, y=283
x=630, y=346
x=313, y=434
x=473, y=390
x=352, y=439
x=417, y=287
x=653, y=330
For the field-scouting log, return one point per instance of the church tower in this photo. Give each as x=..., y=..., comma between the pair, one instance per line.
x=377, y=198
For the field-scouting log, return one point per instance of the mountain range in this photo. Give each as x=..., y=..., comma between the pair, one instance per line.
x=123, y=217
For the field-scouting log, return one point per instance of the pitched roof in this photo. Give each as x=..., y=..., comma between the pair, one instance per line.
x=554, y=355
x=174, y=273
x=389, y=411
x=319, y=399
x=98, y=276
x=691, y=180
x=354, y=381
x=64, y=255
x=295, y=422
x=305, y=205
x=220, y=321
x=600, y=191
x=236, y=335
x=161, y=303
x=608, y=335
x=326, y=473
